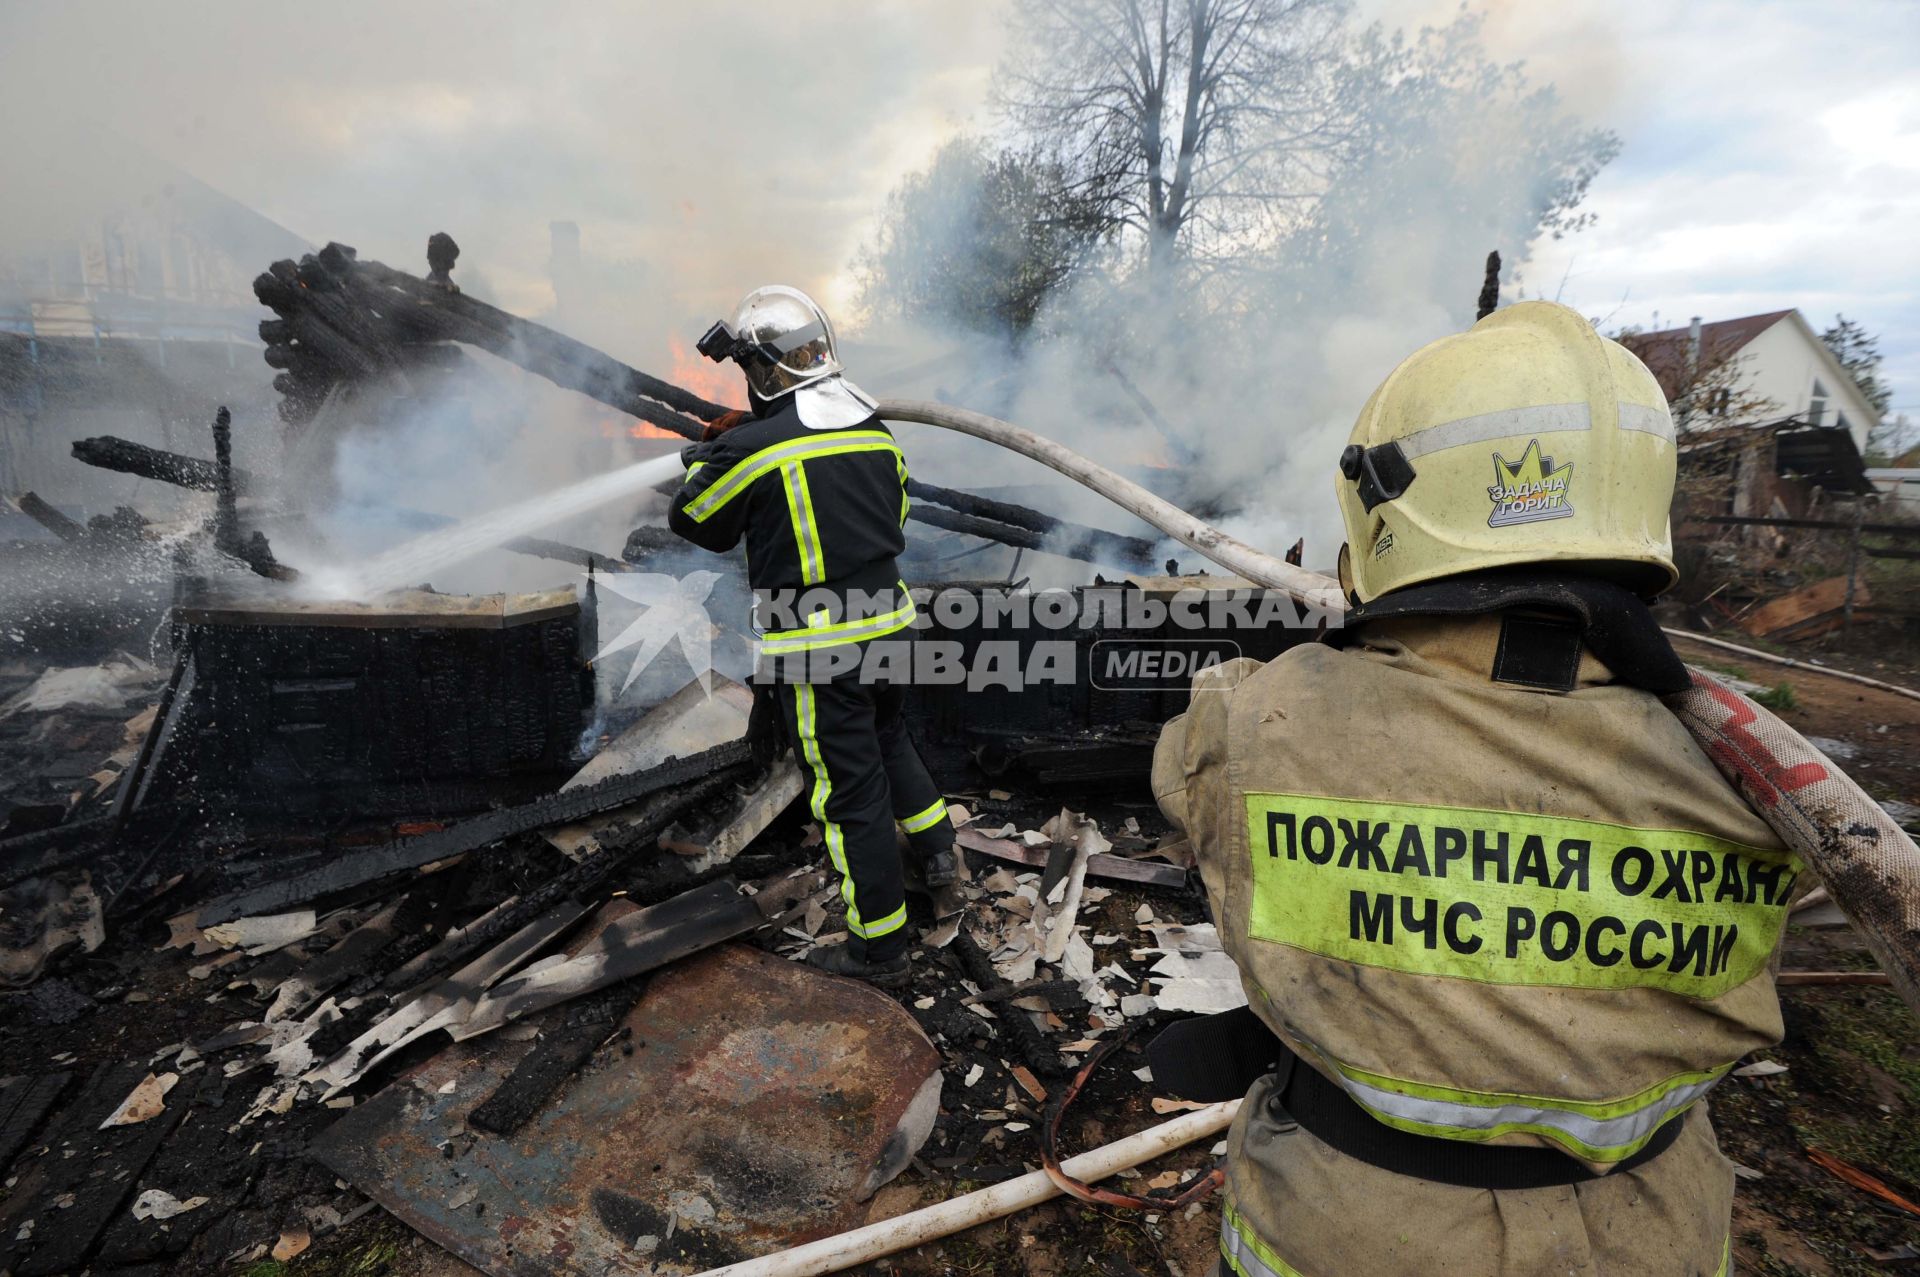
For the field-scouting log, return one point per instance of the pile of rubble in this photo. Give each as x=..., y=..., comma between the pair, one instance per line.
x=561, y=1035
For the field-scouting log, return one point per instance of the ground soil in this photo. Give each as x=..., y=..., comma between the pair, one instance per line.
x=1852, y=1087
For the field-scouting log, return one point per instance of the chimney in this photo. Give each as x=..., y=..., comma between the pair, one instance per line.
x=1693, y=371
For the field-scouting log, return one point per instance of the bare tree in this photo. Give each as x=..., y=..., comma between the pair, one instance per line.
x=1188, y=123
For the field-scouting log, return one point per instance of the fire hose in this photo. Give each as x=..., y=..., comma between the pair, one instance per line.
x=1870, y=865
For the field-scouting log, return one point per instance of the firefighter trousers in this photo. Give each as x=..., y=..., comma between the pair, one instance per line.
x=863, y=775
x=1297, y=1208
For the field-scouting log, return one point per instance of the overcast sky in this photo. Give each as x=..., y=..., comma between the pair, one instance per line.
x=1772, y=150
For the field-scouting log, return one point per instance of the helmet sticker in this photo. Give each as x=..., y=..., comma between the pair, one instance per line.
x=1529, y=490
x=1384, y=544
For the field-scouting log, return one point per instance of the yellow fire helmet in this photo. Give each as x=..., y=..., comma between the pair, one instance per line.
x=1527, y=439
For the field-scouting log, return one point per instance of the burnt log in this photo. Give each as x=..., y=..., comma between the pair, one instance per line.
x=1105, y=547
x=702, y=774
x=112, y=453
x=34, y=507
x=363, y=318
x=1072, y=539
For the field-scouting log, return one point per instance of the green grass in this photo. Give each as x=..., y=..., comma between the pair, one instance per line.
x=1778, y=699
x=1723, y=667
x=1879, y=1031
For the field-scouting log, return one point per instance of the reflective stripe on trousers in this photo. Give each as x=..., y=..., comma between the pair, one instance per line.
x=1244, y=1253
x=866, y=929
x=919, y=822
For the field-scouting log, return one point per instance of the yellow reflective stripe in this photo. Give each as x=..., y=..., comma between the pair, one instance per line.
x=806, y=530
x=803, y=702
x=1507, y=897
x=1726, y=1256
x=900, y=465
x=783, y=642
x=1242, y=1251
x=874, y=930
x=927, y=819
x=805, y=721
x=743, y=473
x=1598, y=1130
x=694, y=467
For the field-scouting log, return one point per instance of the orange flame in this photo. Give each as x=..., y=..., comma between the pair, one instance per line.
x=641, y=430
x=713, y=382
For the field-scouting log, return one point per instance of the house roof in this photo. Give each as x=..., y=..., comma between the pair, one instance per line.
x=1665, y=352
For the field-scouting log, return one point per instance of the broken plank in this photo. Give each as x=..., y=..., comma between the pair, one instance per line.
x=633, y=945
x=694, y=718
x=99, y=1168
x=34, y=507
x=359, y=868
x=24, y=1101
x=721, y=839
x=445, y=1004
x=336, y=966
x=553, y=1059
x=1103, y=865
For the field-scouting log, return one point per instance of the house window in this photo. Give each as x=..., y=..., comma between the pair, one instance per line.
x=1722, y=399
x=1817, y=404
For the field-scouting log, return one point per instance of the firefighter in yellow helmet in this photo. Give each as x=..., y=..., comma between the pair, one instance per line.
x=1500, y=923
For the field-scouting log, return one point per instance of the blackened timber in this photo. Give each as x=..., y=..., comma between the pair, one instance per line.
x=1027, y=539
x=1034, y=1048
x=1075, y=538
x=643, y=941
x=564, y=808
x=554, y=1059
x=34, y=507
x=23, y=1102
x=585, y=881
x=127, y=457
x=975, y=526
x=426, y=311
x=99, y=1168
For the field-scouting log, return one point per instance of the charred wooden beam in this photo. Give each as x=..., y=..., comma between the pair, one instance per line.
x=361, y=318
x=1073, y=539
x=34, y=507
x=226, y=520
x=1089, y=544
x=360, y=868
x=128, y=457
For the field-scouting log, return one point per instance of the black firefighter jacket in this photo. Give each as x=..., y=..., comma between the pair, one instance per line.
x=821, y=513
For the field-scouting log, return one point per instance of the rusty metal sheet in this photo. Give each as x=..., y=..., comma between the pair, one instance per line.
x=761, y=1103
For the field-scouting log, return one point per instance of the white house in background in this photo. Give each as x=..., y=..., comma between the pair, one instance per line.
x=1899, y=485
x=1778, y=358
